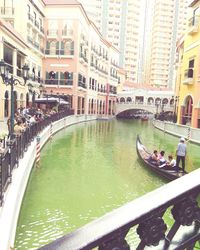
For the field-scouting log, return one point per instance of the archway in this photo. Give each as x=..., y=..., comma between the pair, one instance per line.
x=129, y=99
x=122, y=99
x=150, y=100
x=186, y=114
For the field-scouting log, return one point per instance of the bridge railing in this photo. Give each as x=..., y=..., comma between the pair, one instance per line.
x=147, y=216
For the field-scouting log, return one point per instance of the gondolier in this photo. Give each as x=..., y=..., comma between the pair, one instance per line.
x=181, y=153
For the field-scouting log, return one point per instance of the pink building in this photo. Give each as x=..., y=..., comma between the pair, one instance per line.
x=79, y=65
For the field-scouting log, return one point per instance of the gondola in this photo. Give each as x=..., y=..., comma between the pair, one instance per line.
x=166, y=172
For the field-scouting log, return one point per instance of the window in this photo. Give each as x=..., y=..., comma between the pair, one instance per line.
x=191, y=63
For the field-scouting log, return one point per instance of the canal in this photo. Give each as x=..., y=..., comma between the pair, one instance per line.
x=86, y=171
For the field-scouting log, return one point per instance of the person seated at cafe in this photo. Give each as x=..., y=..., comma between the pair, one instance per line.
x=18, y=128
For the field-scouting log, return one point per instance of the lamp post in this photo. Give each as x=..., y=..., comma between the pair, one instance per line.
x=10, y=80
x=157, y=103
x=58, y=97
x=176, y=98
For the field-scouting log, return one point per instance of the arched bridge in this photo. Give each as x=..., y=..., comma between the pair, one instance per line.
x=153, y=101
x=152, y=108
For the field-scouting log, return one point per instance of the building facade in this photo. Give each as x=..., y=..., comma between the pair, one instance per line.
x=168, y=23
x=119, y=22
x=145, y=32
x=65, y=52
x=188, y=77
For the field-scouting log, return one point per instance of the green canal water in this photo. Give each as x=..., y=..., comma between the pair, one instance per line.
x=88, y=170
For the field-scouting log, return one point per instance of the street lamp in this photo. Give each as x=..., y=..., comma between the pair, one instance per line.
x=10, y=80
x=157, y=104
x=176, y=98
x=58, y=97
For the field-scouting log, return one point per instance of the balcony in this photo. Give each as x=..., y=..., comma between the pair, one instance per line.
x=30, y=18
x=193, y=25
x=51, y=82
x=59, y=52
x=67, y=33
x=66, y=82
x=188, y=76
x=7, y=12
x=52, y=33
x=82, y=85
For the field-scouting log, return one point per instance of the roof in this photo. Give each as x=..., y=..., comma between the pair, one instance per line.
x=60, y=2
x=193, y=3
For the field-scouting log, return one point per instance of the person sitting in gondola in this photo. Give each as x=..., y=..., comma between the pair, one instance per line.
x=154, y=157
x=171, y=163
x=161, y=159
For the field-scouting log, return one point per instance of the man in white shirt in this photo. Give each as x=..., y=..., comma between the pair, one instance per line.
x=181, y=153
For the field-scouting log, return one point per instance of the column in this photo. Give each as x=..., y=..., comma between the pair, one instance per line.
x=195, y=122
x=14, y=62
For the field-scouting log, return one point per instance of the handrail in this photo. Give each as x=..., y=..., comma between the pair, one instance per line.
x=109, y=231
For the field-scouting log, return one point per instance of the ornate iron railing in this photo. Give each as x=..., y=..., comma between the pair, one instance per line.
x=147, y=216
x=14, y=150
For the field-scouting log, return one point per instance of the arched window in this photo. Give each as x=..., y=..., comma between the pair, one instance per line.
x=129, y=99
x=150, y=100
x=165, y=101
x=122, y=99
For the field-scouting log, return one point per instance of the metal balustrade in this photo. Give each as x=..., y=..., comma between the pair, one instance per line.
x=14, y=149
x=145, y=215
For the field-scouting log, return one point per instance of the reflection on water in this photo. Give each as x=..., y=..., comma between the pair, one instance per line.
x=86, y=171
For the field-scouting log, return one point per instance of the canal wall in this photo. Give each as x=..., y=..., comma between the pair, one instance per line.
x=10, y=210
x=190, y=134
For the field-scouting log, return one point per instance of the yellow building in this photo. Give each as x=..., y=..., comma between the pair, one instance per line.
x=188, y=77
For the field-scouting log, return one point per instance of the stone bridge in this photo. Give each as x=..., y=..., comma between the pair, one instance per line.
x=152, y=108
x=153, y=101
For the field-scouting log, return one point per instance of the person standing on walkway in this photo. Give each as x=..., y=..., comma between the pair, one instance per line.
x=181, y=153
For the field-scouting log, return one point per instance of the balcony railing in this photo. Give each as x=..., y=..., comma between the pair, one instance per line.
x=52, y=32
x=193, y=24
x=61, y=52
x=51, y=81
x=188, y=76
x=67, y=32
x=68, y=82
x=82, y=85
x=30, y=17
